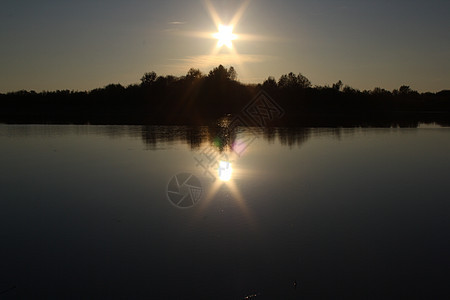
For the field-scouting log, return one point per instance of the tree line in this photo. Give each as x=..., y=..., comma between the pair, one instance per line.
x=198, y=98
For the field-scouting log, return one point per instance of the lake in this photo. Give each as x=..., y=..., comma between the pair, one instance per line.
x=178, y=212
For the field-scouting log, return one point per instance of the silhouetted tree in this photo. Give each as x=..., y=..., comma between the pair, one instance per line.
x=148, y=78
x=193, y=74
x=232, y=73
x=380, y=92
x=221, y=73
x=338, y=85
x=269, y=83
x=196, y=99
x=405, y=89
x=349, y=90
x=114, y=88
x=294, y=81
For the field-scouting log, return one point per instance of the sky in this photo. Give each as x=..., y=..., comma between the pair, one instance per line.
x=82, y=45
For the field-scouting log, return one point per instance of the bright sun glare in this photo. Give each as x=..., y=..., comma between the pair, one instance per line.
x=225, y=170
x=225, y=36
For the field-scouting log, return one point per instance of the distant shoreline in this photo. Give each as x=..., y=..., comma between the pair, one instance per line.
x=198, y=99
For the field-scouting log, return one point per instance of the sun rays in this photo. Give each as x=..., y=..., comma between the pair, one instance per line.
x=227, y=38
x=225, y=35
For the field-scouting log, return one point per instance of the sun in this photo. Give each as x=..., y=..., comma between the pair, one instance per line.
x=225, y=36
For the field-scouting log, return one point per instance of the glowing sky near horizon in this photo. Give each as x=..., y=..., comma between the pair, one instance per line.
x=81, y=45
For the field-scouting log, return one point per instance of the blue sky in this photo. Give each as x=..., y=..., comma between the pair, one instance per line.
x=81, y=45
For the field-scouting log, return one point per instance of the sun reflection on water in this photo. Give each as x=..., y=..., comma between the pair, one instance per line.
x=225, y=171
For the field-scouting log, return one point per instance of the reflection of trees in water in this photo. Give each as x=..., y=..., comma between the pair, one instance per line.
x=269, y=134
x=296, y=136
x=293, y=136
x=194, y=136
x=222, y=137
x=219, y=135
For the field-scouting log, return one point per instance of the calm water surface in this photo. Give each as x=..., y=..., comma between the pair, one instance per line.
x=307, y=213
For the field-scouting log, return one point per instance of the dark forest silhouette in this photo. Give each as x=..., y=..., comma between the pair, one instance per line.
x=198, y=98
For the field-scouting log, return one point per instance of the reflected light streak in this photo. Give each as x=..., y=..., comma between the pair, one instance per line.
x=235, y=194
